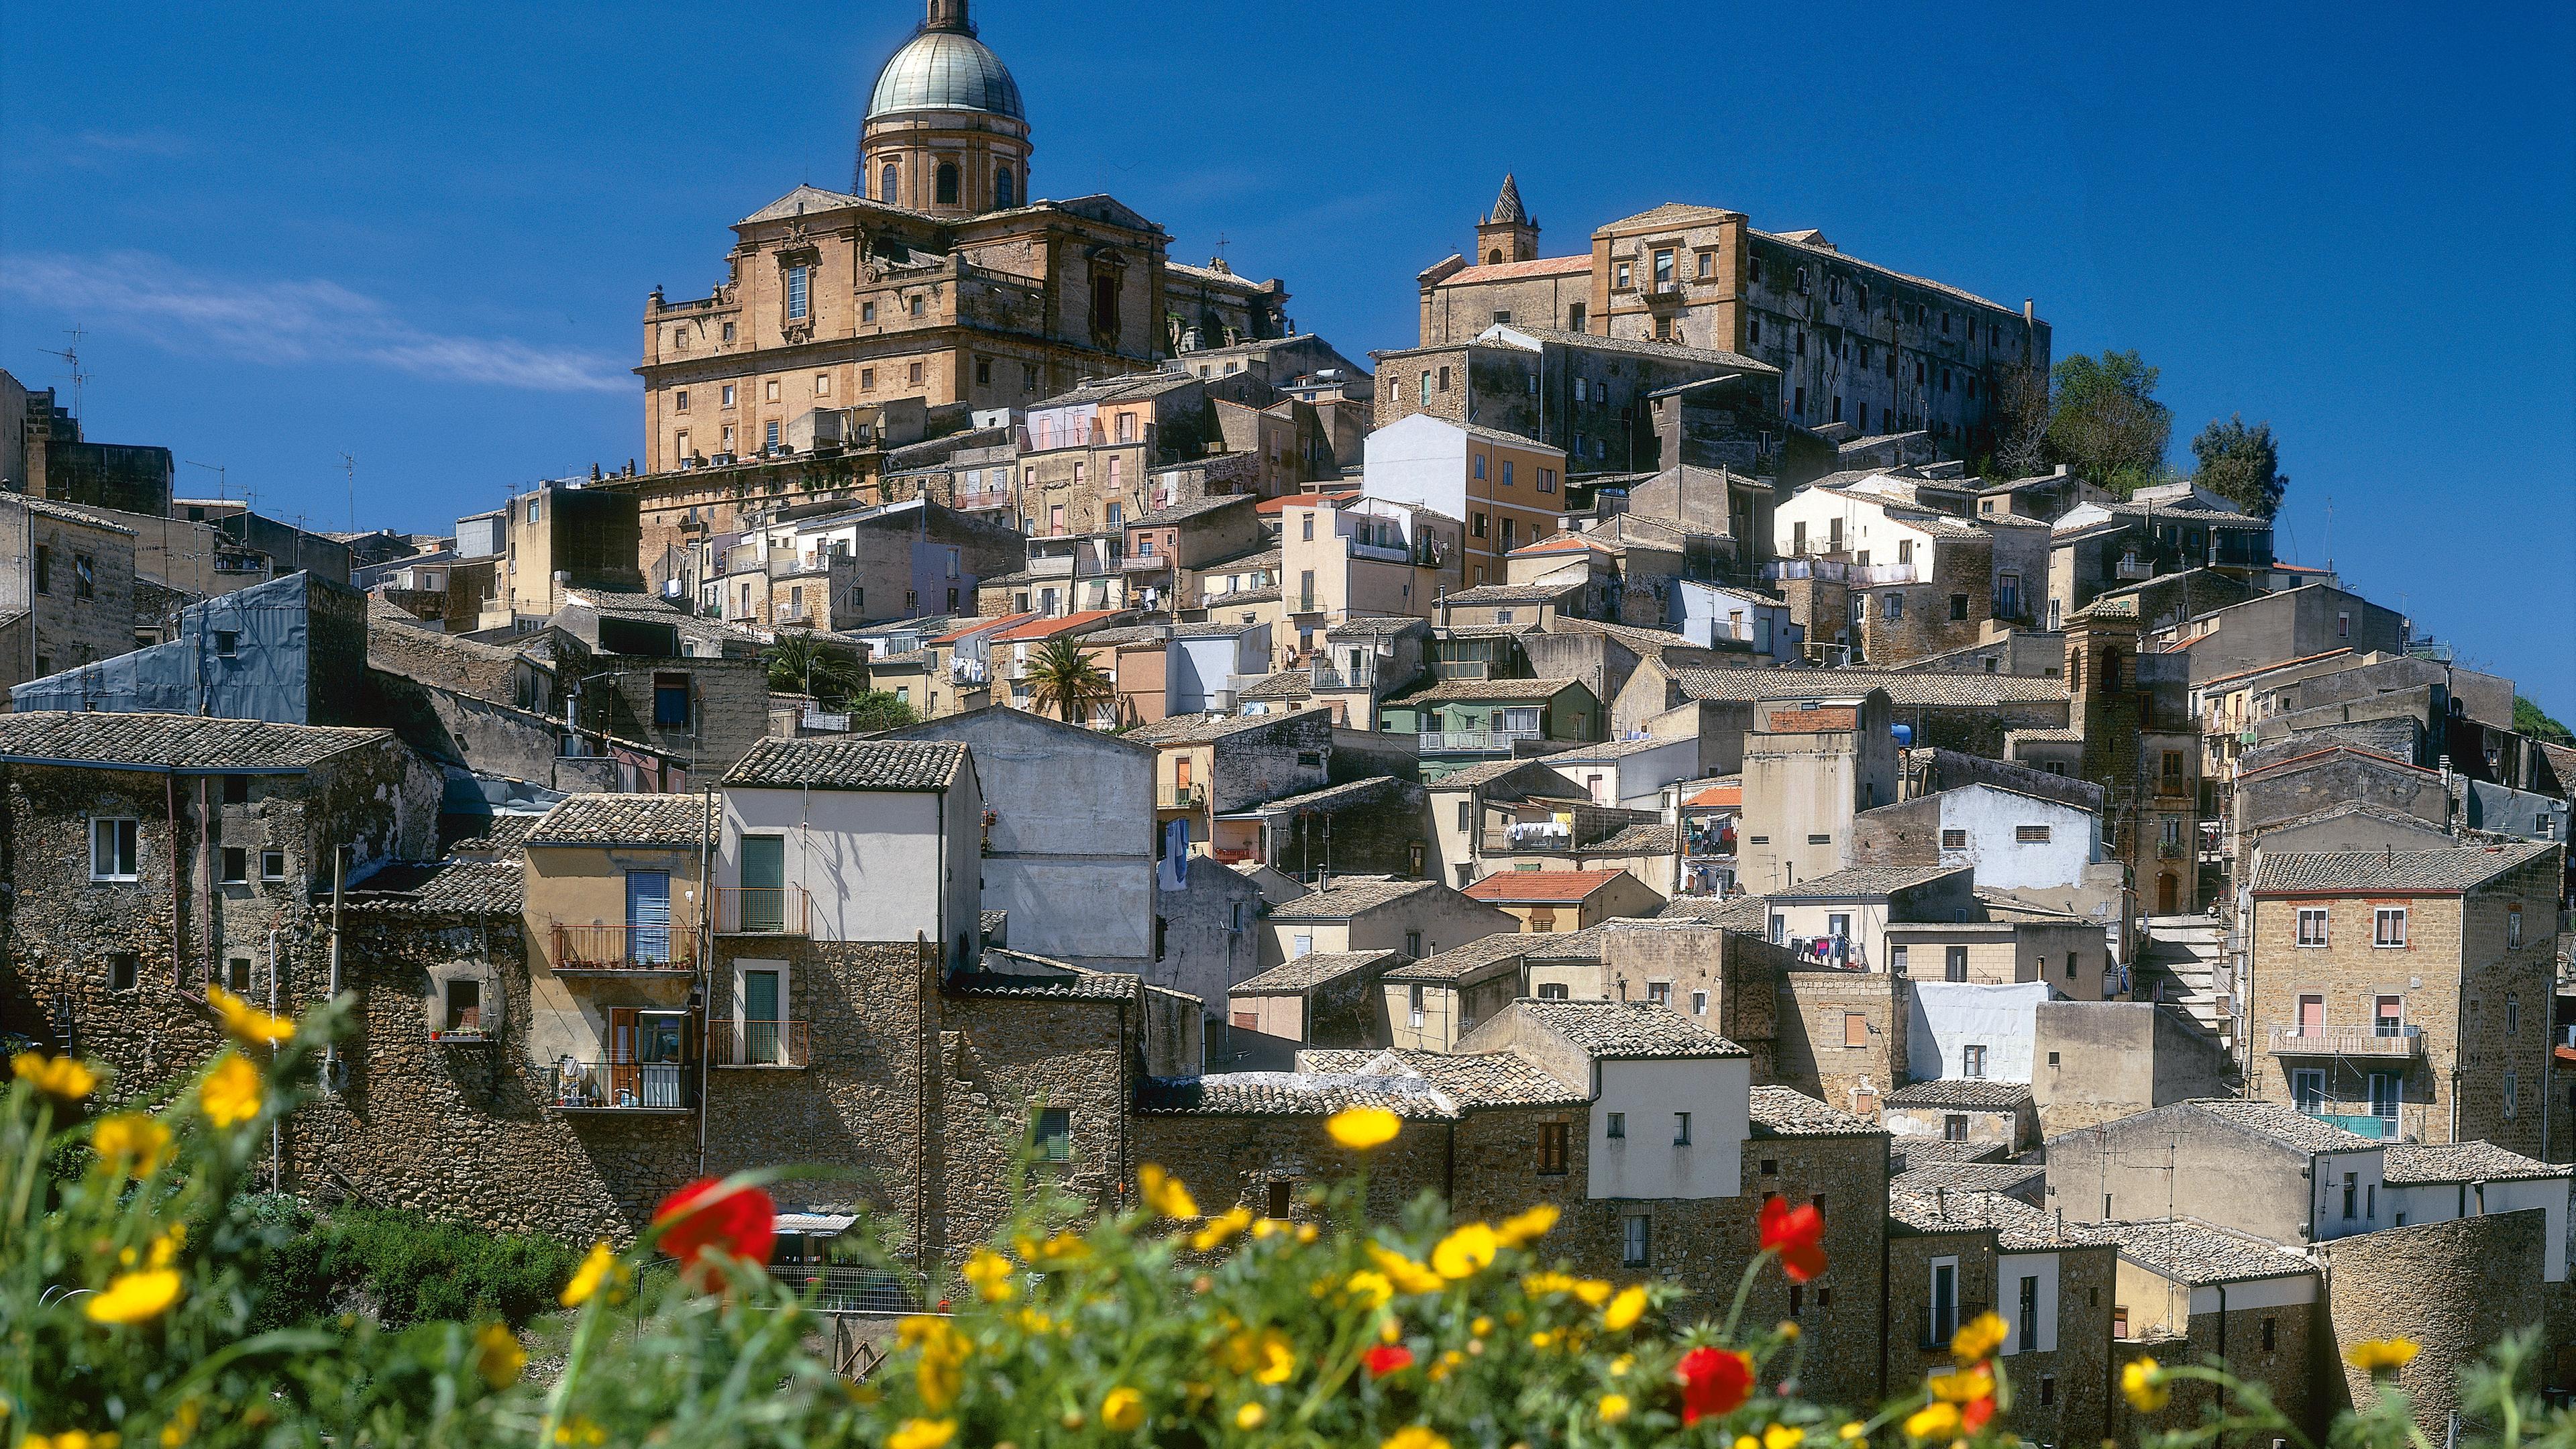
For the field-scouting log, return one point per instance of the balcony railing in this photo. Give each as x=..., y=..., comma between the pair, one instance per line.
x=2130, y=568
x=1385, y=553
x=1231, y=854
x=2347, y=1041
x=625, y=949
x=761, y=910
x=609, y=1085
x=1145, y=563
x=759, y=1044
x=1324, y=676
x=1179, y=797
x=2360, y=1124
x=1467, y=742
x=1551, y=838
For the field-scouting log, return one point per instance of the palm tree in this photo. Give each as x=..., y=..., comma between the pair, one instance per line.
x=799, y=664
x=1063, y=678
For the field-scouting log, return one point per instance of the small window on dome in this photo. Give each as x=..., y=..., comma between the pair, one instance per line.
x=947, y=183
x=1005, y=194
x=886, y=186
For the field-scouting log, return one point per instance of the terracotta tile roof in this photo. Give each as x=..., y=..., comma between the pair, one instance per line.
x=2408, y=1163
x=972, y=626
x=1961, y=691
x=1471, y=1079
x=1269, y=506
x=1294, y=1094
x=1716, y=797
x=1349, y=896
x=187, y=743
x=1286, y=684
x=2425, y=872
x=446, y=886
x=1050, y=628
x=1962, y=1093
x=1477, y=690
x=503, y=838
x=1313, y=970
x=1462, y=962
x=1512, y=271
x=1333, y=797
x=1484, y=594
x=1651, y=838
x=777, y=764
x=1628, y=1030
x=1199, y=729
x=1559, y=886
x=2268, y=668
x=1734, y=913
x=1972, y=1177
x=650, y=820
x=1786, y=1112
x=1561, y=543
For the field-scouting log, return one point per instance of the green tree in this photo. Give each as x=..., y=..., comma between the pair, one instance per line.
x=2021, y=425
x=2106, y=422
x=875, y=709
x=1063, y=678
x=801, y=664
x=2530, y=719
x=2241, y=464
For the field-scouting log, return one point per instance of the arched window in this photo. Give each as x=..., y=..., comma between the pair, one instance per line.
x=1005, y=195
x=1494, y=258
x=947, y=183
x=886, y=186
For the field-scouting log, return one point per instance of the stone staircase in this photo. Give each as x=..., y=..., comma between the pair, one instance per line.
x=2185, y=964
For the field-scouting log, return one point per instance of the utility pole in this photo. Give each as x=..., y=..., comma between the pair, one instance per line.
x=349, y=466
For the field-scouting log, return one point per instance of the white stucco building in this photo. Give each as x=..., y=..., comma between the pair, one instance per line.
x=853, y=840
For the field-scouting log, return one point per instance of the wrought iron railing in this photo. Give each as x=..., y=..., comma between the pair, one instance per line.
x=1178, y=797
x=598, y=1084
x=760, y=1044
x=625, y=948
x=2348, y=1041
x=761, y=910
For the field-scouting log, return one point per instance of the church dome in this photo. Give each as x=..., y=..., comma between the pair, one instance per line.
x=945, y=70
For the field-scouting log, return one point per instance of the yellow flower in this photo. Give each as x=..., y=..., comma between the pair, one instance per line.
x=246, y=1023
x=1851, y=1431
x=232, y=1093
x=1389, y=1329
x=165, y=1248
x=1250, y=1416
x=1278, y=1360
x=1978, y=1337
x=1521, y=1228
x=990, y=1272
x=1407, y=1275
x=1781, y=1436
x=1619, y=1366
x=181, y=1428
x=1061, y=1248
x=1033, y=1322
x=1614, y=1407
x=1466, y=1252
x=72, y=1439
x=1788, y=1330
x=1542, y=1339
x=922, y=1434
x=1747, y=1441
x=1933, y=1421
x=61, y=1077
x=1164, y=1193
x=1965, y=1386
x=1413, y=1436
x=2383, y=1353
x=601, y=1269
x=1361, y=1128
x=134, y=1297
x=498, y=1356
x=941, y=1373
x=1308, y=1232
x=1481, y=1326
x=1626, y=1309
x=2144, y=1384
x=1123, y=1409
x=1377, y=1288
x=130, y=1144
x=1219, y=1230
x=578, y=1430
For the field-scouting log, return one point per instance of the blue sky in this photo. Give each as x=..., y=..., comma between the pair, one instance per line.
x=423, y=234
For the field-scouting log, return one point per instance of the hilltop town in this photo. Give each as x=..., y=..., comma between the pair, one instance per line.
x=1026, y=700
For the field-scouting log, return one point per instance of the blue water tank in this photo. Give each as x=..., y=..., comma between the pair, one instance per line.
x=1904, y=736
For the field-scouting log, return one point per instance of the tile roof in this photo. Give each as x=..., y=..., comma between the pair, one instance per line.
x=1968, y=1093
x=1461, y=962
x=1912, y=1152
x=1285, y=684
x=173, y=741
x=1331, y=797
x=849, y=765
x=1785, y=1112
x=1735, y=913
x=446, y=886
x=1472, y=1079
x=1294, y=1094
x=1649, y=838
x=1510, y=594
x=2189, y=1251
x=652, y=820
x=1286, y=501
x=66, y=512
x=1489, y=771
x=1035, y=629
x=504, y=836
x=1373, y=626
x=1957, y=691
x=2439, y=872
x=2017, y=1226
x=1558, y=886
x=1199, y=729
x=1609, y=750
x=982, y=623
x=1475, y=690
x=1349, y=896
x=1512, y=271
x=1078, y=985
x=1188, y=508
x=1717, y=796
x=1124, y=388
x=1868, y=880
x=1310, y=971
x=2341, y=808
x=1628, y=1030
x=2405, y=1164
x=1956, y=1177
x=2282, y=1124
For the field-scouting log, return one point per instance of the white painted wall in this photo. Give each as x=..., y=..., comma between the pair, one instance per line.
x=1716, y=1091
x=1635, y=780
x=1201, y=667
x=1948, y=1015
x=2327, y=1221
x=876, y=865
x=2290, y=1292
x=1992, y=819
x=1706, y=613
x=2439, y=1202
x=1421, y=459
x=2010, y=1269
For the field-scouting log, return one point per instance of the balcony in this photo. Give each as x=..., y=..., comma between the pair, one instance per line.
x=1324, y=676
x=2358, y=1124
x=1473, y=742
x=782, y=1045
x=1895, y=573
x=1179, y=797
x=1145, y=563
x=969, y=499
x=2348, y=1041
x=607, y=1085
x=470, y=1026
x=2129, y=569
x=761, y=910
x=624, y=950
x=1381, y=552
x=1545, y=836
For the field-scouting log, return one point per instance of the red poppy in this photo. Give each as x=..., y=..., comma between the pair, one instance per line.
x=1387, y=1358
x=1796, y=1232
x=705, y=1216
x=1974, y=1413
x=1714, y=1381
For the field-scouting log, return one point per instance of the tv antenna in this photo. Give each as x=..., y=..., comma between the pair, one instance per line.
x=349, y=465
x=71, y=358
x=218, y=470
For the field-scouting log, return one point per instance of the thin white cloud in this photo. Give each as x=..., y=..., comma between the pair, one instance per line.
x=285, y=322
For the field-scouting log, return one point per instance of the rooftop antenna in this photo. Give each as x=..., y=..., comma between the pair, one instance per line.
x=218, y=470
x=71, y=357
x=349, y=466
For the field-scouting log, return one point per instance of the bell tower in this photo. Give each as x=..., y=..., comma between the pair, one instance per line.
x=1509, y=233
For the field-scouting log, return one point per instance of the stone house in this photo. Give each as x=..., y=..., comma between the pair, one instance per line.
x=2014, y=840
x=1544, y=901
x=2189, y=1290
x=289, y=651
x=1842, y=1035
x=1810, y=766
x=1963, y=1109
x=1207, y=765
x=2276, y=628
x=1370, y=826
x=2098, y=1061
x=1842, y=919
x=2248, y=1166
x=2437, y=1182
x=2406, y=994
x=2066, y=955
x=1506, y=488
x=2097, y=547
x=1969, y=713
x=1473, y=808
x=74, y=583
x=615, y=910
x=1431, y=1003
x=1952, y=1255
x=1917, y=581
x=2130, y=712
x=1464, y=721
x=639, y=678
x=1328, y=999
x=1362, y=913
x=1726, y=981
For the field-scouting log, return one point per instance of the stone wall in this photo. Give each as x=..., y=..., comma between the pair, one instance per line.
x=2453, y=1287
x=1003, y=1059
x=1839, y=1314
x=2098, y=1061
x=1913, y=1350
x=1809, y=1053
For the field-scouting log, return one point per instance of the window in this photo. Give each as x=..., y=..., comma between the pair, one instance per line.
x=124, y=970
x=1699, y=1003
x=912, y=374
x=1895, y=606
x=236, y=789
x=1945, y=1301
x=1637, y=1241
x=2513, y=928
x=771, y=439
x=885, y=184
x=797, y=297
x=111, y=849
x=1551, y=1147
x=1617, y=1130
x=946, y=183
x=1663, y=266
x=2343, y=626
x=464, y=1005
x=1552, y=991
x=2270, y=1333
x=1958, y=607
x=2512, y=1014
x=2351, y=1194
x=727, y=394
x=671, y=701
x=1413, y=995
x=44, y=573
x=1054, y=1135
x=1507, y=472
x=1659, y=993
x=1620, y=276
x=1855, y=1029
x=1972, y=1061
x=2512, y=1096
x=272, y=865
x=868, y=375
x=236, y=865
x=1681, y=1129
x=680, y=401
x=1954, y=840
x=2312, y=925
x=2030, y=835
x=1896, y=960
x=1282, y=1195
x=1444, y=387
x=84, y=576
x=2388, y=927
x=1954, y=963
x=1005, y=195
x=2026, y=1320
x=2047, y=1391
x=1476, y=525
x=227, y=643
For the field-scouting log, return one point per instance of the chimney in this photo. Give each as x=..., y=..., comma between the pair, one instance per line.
x=2029, y=313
